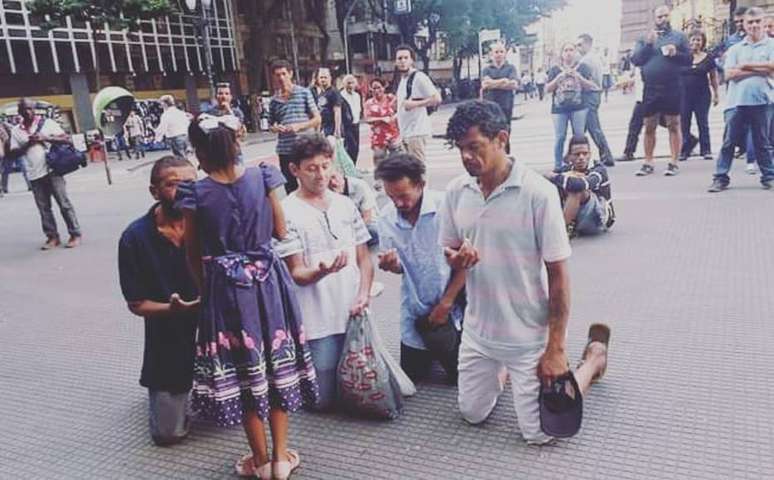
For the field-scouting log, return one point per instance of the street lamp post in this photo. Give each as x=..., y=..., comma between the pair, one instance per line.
x=202, y=24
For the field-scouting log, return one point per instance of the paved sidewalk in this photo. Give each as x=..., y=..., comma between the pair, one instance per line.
x=684, y=279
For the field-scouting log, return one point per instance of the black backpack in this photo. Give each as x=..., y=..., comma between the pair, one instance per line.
x=410, y=84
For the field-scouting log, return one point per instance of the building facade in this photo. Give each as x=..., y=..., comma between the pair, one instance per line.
x=66, y=66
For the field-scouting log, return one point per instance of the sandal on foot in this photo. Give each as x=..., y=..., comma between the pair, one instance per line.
x=598, y=332
x=245, y=467
x=282, y=470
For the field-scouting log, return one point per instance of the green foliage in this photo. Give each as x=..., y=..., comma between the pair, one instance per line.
x=461, y=20
x=118, y=14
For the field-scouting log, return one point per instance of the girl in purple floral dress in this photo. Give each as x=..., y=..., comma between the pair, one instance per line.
x=252, y=360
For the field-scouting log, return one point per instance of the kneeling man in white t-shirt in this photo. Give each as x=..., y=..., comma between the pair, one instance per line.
x=504, y=224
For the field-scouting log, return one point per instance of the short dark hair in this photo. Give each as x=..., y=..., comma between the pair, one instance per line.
x=165, y=162
x=277, y=64
x=310, y=145
x=219, y=144
x=586, y=38
x=24, y=101
x=220, y=85
x=702, y=35
x=404, y=46
x=400, y=165
x=379, y=81
x=578, y=140
x=484, y=114
x=740, y=11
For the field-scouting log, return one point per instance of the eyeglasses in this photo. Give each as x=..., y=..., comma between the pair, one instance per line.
x=209, y=122
x=328, y=224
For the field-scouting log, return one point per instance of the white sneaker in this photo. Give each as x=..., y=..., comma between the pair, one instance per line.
x=751, y=169
x=376, y=289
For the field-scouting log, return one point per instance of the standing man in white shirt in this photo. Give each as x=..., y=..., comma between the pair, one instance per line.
x=503, y=223
x=173, y=127
x=31, y=139
x=415, y=93
x=352, y=130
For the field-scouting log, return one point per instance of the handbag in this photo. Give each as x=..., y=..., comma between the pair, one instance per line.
x=62, y=158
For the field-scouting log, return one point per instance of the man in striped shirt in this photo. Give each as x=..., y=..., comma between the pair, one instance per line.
x=585, y=191
x=292, y=110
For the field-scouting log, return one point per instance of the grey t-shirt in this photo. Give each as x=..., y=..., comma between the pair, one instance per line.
x=362, y=195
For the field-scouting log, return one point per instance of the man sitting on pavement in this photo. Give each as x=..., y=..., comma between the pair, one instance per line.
x=503, y=223
x=408, y=236
x=157, y=286
x=585, y=192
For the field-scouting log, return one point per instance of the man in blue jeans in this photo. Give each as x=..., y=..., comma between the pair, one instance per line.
x=593, y=98
x=748, y=65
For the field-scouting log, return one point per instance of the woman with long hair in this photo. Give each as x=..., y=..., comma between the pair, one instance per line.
x=566, y=83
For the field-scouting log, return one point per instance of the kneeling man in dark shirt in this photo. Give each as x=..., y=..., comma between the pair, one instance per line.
x=157, y=286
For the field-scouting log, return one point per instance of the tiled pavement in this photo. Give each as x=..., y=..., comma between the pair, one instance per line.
x=684, y=280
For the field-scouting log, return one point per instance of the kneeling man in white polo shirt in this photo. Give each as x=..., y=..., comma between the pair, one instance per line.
x=504, y=223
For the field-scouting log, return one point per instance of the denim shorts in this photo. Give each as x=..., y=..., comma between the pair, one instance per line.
x=591, y=216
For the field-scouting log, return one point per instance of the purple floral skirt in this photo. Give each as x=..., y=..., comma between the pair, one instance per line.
x=251, y=352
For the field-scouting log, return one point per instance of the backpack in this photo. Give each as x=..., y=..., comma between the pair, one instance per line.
x=410, y=84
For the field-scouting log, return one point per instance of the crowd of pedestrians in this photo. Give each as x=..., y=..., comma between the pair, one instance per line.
x=247, y=277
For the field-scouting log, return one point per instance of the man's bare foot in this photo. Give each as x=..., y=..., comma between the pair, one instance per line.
x=73, y=242
x=51, y=243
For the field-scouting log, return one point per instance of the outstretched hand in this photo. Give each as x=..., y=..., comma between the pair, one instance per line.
x=177, y=304
x=337, y=264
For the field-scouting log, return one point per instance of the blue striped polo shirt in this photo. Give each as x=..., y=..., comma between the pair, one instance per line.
x=300, y=107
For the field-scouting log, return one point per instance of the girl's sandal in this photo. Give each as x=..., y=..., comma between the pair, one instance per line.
x=283, y=470
x=245, y=467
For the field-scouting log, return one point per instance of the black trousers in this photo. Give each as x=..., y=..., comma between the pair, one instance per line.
x=352, y=141
x=696, y=104
x=635, y=127
x=418, y=363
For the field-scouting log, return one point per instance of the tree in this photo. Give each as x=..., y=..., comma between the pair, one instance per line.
x=118, y=14
x=461, y=20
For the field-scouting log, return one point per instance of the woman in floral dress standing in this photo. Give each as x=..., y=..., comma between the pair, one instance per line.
x=252, y=360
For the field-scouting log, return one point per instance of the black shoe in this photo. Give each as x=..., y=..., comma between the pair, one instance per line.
x=707, y=156
x=671, y=170
x=766, y=184
x=692, y=142
x=644, y=170
x=626, y=157
x=682, y=157
x=717, y=186
x=608, y=162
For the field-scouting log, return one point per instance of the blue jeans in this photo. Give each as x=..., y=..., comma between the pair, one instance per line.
x=326, y=353
x=739, y=120
x=578, y=121
x=750, y=148
x=7, y=166
x=178, y=145
x=594, y=127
